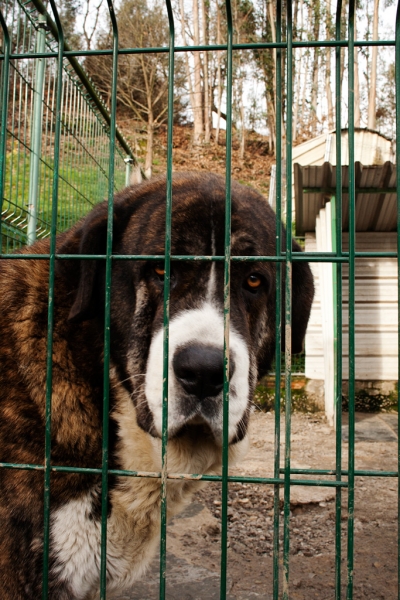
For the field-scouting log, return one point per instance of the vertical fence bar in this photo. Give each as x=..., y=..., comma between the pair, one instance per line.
x=50, y=319
x=107, y=309
x=288, y=304
x=278, y=300
x=352, y=238
x=339, y=300
x=36, y=131
x=397, y=78
x=227, y=268
x=167, y=285
x=4, y=112
x=20, y=187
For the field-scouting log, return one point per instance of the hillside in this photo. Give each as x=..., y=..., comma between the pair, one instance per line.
x=253, y=170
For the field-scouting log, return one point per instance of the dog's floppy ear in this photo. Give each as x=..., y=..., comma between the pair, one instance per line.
x=89, y=238
x=93, y=241
x=302, y=297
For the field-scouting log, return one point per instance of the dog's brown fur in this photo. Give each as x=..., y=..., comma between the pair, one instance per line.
x=77, y=389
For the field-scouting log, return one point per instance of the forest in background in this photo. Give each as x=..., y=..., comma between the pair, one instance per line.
x=200, y=77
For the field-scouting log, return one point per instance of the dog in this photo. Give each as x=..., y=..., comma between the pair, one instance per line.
x=196, y=362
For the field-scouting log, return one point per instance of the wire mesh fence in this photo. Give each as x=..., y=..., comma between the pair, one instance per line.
x=29, y=142
x=51, y=175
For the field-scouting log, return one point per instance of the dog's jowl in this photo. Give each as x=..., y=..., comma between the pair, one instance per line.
x=196, y=359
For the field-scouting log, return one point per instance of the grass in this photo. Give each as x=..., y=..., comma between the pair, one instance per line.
x=264, y=396
x=82, y=184
x=365, y=402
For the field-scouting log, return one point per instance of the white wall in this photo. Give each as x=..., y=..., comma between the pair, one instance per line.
x=376, y=312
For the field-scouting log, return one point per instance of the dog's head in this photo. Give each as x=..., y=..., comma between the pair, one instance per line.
x=196, y=327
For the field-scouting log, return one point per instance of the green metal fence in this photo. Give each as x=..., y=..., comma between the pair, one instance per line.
x=68, y=194
x=28, y=129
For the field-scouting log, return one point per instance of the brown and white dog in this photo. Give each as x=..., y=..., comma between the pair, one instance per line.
x=195, y=376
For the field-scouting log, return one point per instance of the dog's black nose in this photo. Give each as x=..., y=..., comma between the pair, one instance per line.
x=200, y=370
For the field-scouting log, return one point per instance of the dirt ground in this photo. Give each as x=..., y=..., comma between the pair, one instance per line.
x=254, y=169
x=193, y=560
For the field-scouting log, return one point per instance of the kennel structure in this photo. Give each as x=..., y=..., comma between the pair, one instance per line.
x=29, y=155
x=376, y=283
x=370, y=148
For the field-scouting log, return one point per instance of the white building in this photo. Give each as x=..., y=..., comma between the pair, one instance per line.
x=370, y=148
x=376, y=285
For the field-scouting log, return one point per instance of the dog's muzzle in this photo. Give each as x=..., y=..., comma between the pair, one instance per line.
x=199, y=370
x=196, y=373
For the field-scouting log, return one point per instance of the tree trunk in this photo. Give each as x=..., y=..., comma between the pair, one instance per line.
x=304, y=94
x=273, y=33
x=372, y=90
x=357, y=113
x=219, y=78
x=206, y=75
x=197, y=93
x=239, y=76
x=242, y=118
x=298, y=78
x=328, y=87
x=148, y=165
x=194, y=93
x=314, y=91
x=187, y=67
x=272, y=99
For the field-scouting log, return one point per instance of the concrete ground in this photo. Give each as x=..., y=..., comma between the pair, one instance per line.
x=379, y=427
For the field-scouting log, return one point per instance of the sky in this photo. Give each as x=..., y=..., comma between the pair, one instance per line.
x=254, y=88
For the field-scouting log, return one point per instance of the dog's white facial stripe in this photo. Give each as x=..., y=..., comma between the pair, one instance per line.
x=211, y=284
x=212, y=280
x=204, y=326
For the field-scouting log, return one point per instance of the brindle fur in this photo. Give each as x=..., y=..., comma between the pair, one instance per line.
x=76, y=421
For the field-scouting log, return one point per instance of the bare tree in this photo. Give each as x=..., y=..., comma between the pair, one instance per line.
x=197, y=91
x=316, y=8
x=187, y=65
x=89, y=32
x=219, y=74
x=357, y=111
x=143, y=77
x=206, y=76
x=374, y=61
x=299, y=31
x=328, y=87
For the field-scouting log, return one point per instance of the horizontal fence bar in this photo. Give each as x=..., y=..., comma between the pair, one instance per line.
x=345, y=190
x=186, y=476
x=358, y=473
x=197, y=476
x=211, y=48
x=297, y=257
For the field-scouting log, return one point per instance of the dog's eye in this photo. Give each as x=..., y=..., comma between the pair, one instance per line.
x=253, y=281
x=159, y=271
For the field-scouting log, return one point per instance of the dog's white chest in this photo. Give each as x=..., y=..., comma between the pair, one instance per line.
x=76, y=545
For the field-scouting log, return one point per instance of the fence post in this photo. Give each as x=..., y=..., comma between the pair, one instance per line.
x=128, y=162
x=36, y=141
x=4, y=111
